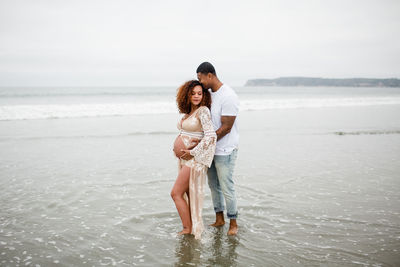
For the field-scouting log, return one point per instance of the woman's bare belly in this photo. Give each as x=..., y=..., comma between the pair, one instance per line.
x=178, y=145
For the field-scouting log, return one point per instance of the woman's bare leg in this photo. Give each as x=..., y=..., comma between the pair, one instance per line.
x=180, y=187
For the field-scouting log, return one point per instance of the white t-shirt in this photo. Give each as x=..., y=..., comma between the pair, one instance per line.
x=225, y=102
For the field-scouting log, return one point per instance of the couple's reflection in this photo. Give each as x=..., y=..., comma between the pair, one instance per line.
x=216, y=249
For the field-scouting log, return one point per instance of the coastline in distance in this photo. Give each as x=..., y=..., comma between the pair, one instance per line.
x=309, y=81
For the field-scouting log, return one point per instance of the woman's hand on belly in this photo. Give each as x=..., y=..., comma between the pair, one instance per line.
x=181, y=151
x=193, y=143
x=186, y=155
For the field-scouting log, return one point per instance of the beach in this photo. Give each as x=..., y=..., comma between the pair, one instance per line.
x=86, y=177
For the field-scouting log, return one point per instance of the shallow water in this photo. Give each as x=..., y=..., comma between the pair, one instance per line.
x=95, y=191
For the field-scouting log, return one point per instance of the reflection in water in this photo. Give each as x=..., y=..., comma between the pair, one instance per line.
x=223, y=249
x=188, y=251
x=220, y=250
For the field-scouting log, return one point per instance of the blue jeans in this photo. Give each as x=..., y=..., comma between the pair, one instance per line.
x=222, y=185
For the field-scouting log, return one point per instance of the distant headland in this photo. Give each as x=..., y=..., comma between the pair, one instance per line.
x=307, y=81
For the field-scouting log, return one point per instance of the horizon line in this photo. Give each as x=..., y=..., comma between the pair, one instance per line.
x=178, y=84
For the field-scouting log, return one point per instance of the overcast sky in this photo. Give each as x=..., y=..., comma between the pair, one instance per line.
x=124, y=43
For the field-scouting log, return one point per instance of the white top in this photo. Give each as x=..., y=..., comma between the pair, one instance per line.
x=225, y=102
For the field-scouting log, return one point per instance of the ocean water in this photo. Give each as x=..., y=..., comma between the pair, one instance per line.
x=86, y=174
x=50, y=103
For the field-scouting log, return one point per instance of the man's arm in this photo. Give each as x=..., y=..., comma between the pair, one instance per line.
x=226, y=126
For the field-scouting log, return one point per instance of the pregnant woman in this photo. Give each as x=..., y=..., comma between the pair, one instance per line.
x=194, y=147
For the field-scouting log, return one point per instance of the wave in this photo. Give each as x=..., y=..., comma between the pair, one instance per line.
x=22, y=92
x=5, y=138
x=368, y=132
x=317, y=102
x=58, y=111
x=120, y=94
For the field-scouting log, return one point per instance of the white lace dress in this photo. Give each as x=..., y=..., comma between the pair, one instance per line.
x=197, y=126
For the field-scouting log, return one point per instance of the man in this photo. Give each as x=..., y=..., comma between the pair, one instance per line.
x=224, y=109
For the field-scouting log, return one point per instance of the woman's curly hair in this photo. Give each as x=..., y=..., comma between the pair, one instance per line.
x=184, y=94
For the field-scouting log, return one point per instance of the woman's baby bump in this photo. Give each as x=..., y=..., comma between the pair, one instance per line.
x=178, y=146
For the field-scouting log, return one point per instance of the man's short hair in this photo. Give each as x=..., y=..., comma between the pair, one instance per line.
x=205, y=68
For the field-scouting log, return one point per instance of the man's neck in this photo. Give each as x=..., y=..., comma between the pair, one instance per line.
x=216, y=86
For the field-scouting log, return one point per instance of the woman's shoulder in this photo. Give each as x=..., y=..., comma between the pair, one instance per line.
x=204, y=112
x=204, y=109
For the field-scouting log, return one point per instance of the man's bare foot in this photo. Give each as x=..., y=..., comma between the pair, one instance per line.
x=233, y=228
x=185, y=231
x=219, y=219
x=217, y=224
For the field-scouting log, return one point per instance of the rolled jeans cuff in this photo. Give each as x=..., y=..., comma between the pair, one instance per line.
x=219, y=210
x=232, y=216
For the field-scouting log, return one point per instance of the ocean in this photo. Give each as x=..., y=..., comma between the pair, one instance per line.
x=86, y=175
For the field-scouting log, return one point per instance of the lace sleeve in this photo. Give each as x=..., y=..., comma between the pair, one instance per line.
x=204, y=151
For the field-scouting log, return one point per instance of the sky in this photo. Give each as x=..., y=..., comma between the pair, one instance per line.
x=161, y=43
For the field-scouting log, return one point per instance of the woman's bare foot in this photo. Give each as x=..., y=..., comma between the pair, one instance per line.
x=185, y=231
x=233, y=228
